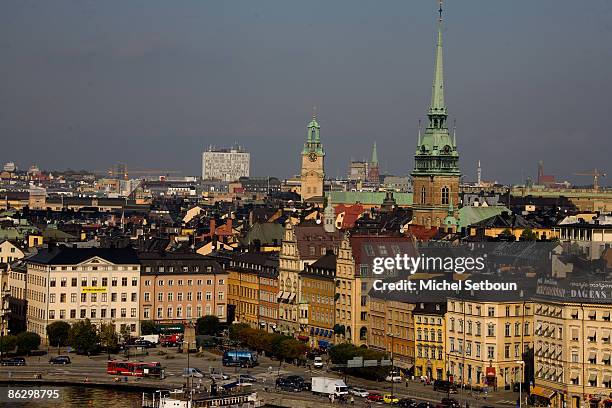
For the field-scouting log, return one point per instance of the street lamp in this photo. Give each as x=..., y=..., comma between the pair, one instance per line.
x=392, y=362
x=522, y=364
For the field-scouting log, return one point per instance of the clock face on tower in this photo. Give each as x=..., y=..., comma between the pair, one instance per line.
x=312, y=157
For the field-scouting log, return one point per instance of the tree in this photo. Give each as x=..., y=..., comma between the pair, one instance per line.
x=57, y=332
x=108, y=337
x=125, y=333
x=83, y=336
x=147, y=327
x=528, y=235
x=8, y=344
x=207, y=325
x=26, y=342
x=236, y=331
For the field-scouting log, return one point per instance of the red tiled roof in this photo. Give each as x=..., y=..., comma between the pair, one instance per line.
x=351, y=214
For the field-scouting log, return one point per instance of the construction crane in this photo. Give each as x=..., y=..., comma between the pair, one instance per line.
x=596, y=174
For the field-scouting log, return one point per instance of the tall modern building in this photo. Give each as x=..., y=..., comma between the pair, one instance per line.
x=225, y=164
x=436, y=169
x=313, y=173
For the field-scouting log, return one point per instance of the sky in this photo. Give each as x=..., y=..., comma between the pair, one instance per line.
x=87, y=84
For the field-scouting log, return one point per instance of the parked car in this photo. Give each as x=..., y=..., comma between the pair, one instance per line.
x=390, y=399
x=445, y=386
x=193, y=372
x=59, y=360
x=425, y=405
x=394, y=376
x=407, y=403
x=359, y=392
x=14, y=361
x=318, y=362
x=450, y=403
x=247, y=378
x=287, y=385
x=144, y=343
x=219, y=376
x=374, y=397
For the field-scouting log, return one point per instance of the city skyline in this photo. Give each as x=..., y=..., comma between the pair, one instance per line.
x=102, y=78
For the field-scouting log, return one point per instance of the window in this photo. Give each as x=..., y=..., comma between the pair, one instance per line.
x=123, y=312
x=506, y=351
x=113, y=297
x=113, y=281
x=147, y=297
x=72, y=313
x=52, y=282
x=63, y=282
x=133, y=298
x=94, y=281
x=445, y=195
x=83, y=281
x=507, y=331
x=52, y=298
x=83, y=297
x=160, y=296
x=146, y=313
x=490, y=352
x=83, y=313
x=94, y=297
x=423, y=196
x=491, y=312
x=491, y=330
x=73, y=282
x=92, y=313
x=51, y=314
x=133, y=312
x=169, y=312
x=73, y=297
x=124, y=297
x=160, y=313
x=105, y=282
x=134, y=281
x=124, y=281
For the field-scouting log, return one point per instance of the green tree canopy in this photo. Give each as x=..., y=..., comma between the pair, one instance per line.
x=26, y=342
x=207, y=325
x=528, y=235
x=8, y=343
x=57, y=332
x=83, y=336
x=108, y=336
x=147, y=327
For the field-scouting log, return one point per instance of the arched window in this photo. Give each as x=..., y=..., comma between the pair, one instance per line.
x=423, y=195
x=445, y=195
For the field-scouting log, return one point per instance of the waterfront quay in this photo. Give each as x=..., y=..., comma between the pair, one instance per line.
x=91, y=372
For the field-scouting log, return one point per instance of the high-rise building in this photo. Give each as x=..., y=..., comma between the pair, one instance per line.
x=436, y=169
x=313, y=172
x=225, y=164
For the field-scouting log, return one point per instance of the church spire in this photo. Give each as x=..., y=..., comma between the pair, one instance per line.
x=374, y=155
x=438, y=106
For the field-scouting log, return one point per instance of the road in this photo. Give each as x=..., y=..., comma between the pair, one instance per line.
x=94, y=369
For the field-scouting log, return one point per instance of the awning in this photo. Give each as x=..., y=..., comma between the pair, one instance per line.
x=591, y=332
x=286, y=295
x=592, y=377
x=592, y=314
x=574, y=376
x=323, y=343
x=312, y=330
x=279, y=296
x=291, y=297
x=317, y=331
x=592, y=355
x=606, y=378
x=606, y=314
x=302, y=337
x=605, y=335
x=542, y=392
x=325, y=333
x=606, y=356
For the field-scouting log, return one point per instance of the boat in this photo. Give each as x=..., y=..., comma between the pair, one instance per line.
x=182, y=398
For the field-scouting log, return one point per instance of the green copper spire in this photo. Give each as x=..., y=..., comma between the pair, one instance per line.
x=436, y=148
x=437, y=93
x=313, y=137
x=374, y=155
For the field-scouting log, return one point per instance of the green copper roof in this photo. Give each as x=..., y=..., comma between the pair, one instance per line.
x=436, y=152
x=437, y=93
x=472, y=215
x=313, y=138
x=366, y=197
x=374, y=154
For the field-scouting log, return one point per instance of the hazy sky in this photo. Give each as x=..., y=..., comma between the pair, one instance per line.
x=85, y=84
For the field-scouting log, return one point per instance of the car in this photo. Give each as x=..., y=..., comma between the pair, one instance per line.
x=59, y=360
x=390, y=399
x=425, y=405
x=14, y=361
x=192, y=372
x=374, y=397
x=359, y=392
x=287, y=385
x=450, y=403
x=144, y=343
x=219, y=376
x=407, y=403
x=296, y=379
x=247, y=378
x=318, y=362
x=445, y=386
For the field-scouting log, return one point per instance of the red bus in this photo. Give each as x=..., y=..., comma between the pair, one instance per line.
x=135, y=369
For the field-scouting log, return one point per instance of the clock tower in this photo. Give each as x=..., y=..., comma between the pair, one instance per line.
x=312, y=175
x=436, y=174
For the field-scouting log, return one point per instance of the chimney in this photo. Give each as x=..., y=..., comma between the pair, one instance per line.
x=212, y=226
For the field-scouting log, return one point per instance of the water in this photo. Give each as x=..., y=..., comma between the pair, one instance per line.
x=72, y=397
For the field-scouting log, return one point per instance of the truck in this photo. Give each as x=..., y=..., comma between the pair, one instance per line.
x=153, y=338
x=327, y=386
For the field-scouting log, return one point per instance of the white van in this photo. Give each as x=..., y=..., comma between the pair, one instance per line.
x=318, y=362
x=192, y=372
